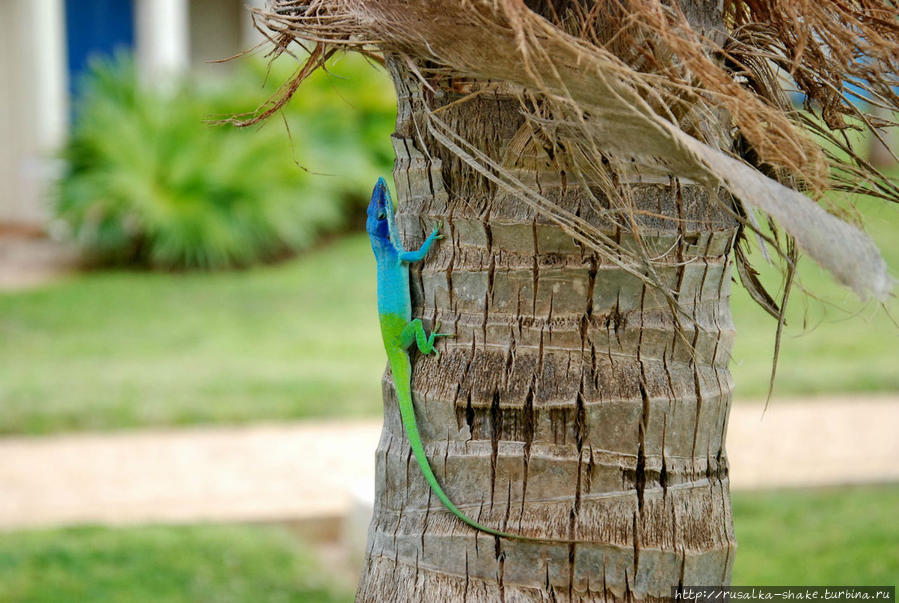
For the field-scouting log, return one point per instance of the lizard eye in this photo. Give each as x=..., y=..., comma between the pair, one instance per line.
x=381, y=215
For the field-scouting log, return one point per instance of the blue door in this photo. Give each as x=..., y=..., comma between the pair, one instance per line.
x=96, y=28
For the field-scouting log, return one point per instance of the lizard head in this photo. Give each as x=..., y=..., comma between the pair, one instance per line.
x=380, y=210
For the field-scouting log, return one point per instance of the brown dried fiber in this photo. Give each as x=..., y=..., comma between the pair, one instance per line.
x=632, y=83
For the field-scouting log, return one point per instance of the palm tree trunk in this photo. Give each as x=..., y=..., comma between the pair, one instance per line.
x=566, y=405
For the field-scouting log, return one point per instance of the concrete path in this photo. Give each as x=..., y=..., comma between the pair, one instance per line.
x=258, y=473
x=28, y=260
x=823, y=442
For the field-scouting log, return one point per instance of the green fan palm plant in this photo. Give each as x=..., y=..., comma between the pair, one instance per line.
x=151, y=182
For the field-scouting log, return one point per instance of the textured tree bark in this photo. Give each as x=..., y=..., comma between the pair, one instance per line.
x=566, y=405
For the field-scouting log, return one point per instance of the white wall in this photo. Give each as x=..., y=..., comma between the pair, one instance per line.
x=251, y=36
x=33, y=106
x=162, y=39
x=220, y=29
x=215, y=32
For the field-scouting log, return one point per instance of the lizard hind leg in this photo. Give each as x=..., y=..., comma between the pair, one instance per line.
x=414, y=332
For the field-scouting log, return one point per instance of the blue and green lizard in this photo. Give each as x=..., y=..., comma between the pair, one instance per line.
x=399, y=331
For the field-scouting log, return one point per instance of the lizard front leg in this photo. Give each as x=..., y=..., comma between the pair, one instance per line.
x=416, y=256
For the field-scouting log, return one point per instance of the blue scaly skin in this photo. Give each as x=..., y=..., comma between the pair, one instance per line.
x=399, y=331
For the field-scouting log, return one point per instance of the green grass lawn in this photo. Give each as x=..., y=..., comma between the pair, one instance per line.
x=833, y=537
x=220, y=564
x=833, y=344
x=126, y=349
x=121, y=349
x=846, y=536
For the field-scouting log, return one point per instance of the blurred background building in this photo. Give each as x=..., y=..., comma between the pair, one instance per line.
x=45, y=49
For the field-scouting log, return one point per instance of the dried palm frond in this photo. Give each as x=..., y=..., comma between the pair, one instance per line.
x=639, y=84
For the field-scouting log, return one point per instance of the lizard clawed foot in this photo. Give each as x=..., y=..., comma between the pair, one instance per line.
x=434, y=335
x=436, y=328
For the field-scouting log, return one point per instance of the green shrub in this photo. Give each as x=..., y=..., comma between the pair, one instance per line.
x=151, y=182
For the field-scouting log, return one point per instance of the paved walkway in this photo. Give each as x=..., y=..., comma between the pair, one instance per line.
x=308, y=470
x=27, y=261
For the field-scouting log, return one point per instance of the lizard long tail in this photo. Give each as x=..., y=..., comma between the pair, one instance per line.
x=402, y=369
